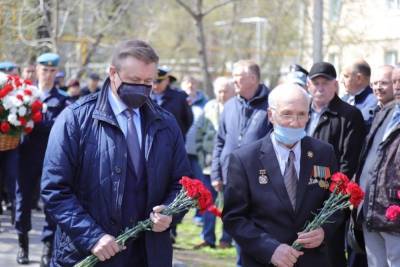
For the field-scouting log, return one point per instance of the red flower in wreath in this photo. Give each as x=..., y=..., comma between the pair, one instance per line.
x=36, y=106
x=4, y=127
x=339, y=180
x=28, y=130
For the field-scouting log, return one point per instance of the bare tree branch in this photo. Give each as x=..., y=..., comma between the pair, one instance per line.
x=187, y=8
x=217, y=6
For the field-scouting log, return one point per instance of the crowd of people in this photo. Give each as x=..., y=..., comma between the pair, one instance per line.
x=110, y=155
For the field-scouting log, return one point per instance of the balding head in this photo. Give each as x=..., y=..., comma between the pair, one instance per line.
x=288, y=92
x=356, y=76
x=288, y=106
x=381, y=82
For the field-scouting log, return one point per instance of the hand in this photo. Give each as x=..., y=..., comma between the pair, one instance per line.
x=106, y=247
x=217, y=184
x=285, y=256
x=311, y=239
x=160, y=222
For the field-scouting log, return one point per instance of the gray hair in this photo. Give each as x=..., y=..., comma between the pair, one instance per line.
x=134, y=48
x=251, y=67
x=284, y=90
x=225, y=81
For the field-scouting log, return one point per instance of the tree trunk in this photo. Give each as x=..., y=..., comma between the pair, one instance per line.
x=203, y=57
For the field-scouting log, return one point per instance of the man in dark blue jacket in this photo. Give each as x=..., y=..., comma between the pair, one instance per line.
x=113, y=159
x=243, y=121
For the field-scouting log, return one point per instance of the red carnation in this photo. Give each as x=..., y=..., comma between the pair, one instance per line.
x=7, y=88
x=37, y=117
x=20, y=97
x=393, y=212
x=28, y=92
x=28, y=82
x=339, y=180
x=214, y=210
x=17, y=81
x=28, y=130
x=355, y=192
x=3, y=93
x=22, y=120
x=195, y=189
x=36, y=106
x=4, y=127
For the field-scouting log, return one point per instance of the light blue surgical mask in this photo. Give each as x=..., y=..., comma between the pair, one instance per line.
x=287, y=135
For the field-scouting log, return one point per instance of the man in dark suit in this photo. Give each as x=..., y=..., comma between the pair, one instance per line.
x=271, y=193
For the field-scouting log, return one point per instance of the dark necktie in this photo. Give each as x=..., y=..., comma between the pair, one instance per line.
x=132, y=141
x=290, y=179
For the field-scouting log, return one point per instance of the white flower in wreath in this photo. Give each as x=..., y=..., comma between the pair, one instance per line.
x=30, y=124
x=44, y=107
x=7, y=103
x=12, y=119
x=16, y=102
x=22, y=111
x=27, y=99
x=13, y=110
x=3, y=78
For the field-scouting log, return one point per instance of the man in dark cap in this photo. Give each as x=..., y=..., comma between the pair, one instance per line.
x=171, y=99
x=340, y=124
x=32, y=150
x=92, y=86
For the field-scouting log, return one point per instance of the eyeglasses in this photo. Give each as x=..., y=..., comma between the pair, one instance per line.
x=293, y=117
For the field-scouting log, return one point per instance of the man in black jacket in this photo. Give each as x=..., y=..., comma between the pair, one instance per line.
x=340, y=124
x=172, y=100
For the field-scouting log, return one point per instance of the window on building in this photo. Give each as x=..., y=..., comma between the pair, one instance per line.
x=392, y=4
x=334, y=9
x=391, y=57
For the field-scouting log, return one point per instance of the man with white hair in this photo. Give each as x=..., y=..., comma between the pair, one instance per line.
x=207, y=128
x=270, y=195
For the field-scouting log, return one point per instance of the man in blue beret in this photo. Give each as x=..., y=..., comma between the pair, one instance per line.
x=8, y=67
x=32, y=150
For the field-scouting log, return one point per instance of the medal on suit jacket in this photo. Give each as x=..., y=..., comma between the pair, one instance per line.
x=320, y=176
x=263, y=178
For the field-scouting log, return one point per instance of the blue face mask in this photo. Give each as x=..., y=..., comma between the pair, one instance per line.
x=288, y=136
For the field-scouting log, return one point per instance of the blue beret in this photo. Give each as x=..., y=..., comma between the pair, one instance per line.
x=7, y=66
x=48, y=59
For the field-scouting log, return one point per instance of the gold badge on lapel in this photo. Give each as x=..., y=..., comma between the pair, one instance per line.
x=263, y=178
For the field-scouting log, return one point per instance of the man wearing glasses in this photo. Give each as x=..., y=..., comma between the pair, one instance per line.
x=339, y=124
x=271, y=193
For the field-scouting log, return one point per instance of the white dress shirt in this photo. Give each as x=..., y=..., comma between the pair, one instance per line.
x=282, y=154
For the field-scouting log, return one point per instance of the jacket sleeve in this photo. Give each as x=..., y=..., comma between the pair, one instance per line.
x=60, y=201
x=216, y=168
x=253, y=241
x=180, y=162
x=353, y=138
x=187, y=116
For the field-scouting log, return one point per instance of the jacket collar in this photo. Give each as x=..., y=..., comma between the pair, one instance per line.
x=360, y=98
x=261, y=94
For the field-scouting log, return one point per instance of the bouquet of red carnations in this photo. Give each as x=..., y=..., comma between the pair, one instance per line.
x=343, y=195
x=20, y=109
x=193, y=194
